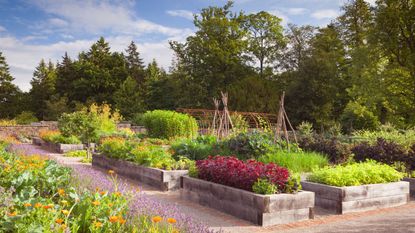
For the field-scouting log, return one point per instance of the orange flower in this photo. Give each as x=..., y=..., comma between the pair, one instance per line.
x=102, y=192
x=47, y=206
x=171, y=220
x=156, y=219
x=118, y=194
x=122, y=221
x=61, y=192
x=98, y=224
x=59, y=221
x=110, y=204
x=38, y=205
x=12, y=214
x=96, y=203
x=27, y=204
x=65, y=212
x=111, y=172
x=113, y=219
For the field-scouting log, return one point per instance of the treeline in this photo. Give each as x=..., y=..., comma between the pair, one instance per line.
x=357, y=72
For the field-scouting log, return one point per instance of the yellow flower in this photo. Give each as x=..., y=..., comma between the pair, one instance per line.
x=38, y=205
x=27, y=204
x=61, y=192
x=118, y=194
x=111, y=172
x=110, y=204
x=98, y=224
x=96, y=203
x=59, y=221
x=12, y=214
x=156, y=219
x=64, y=202
x=65, y=212
x=113, y=219
x=63, y=226
x=171, y=220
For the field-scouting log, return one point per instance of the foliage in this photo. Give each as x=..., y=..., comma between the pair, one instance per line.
x=264, y=186
x=388, y=132
x=57, y=137
x=142, y=153
x=10, y=94
x=25, y=118
x=358, y=117
x=382, y=151
x=336, y=151
x=305, y=129
x=251, y=145
x=169, y=124
x=196, y=149
x=296, y=162
x=239, y=174
x=369, y=172
x=240, y=124
x=76, y=153
x=37, y=196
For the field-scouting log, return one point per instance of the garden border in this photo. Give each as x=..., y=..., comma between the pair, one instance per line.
x=263, y=210
x=359, y=198
x=57, y=147
x=411, y=185
x=165, y=180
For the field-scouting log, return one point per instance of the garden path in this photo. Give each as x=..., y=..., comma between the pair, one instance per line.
x=397, y=219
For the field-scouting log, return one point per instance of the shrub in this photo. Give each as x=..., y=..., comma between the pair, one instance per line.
x=296, y=161
x=382, y=151
x=169, y=124
x=336, y=151
x=263, y=186
x=356, y=116
x=406, y=138
x=25, y=118
x=369, y=172
x=251, y=145
x=116, y=147
x=241, y=174
x=57, y=137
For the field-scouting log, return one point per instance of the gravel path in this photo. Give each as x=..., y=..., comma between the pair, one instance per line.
x=397, y=219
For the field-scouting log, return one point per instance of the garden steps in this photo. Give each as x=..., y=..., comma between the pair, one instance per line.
x=395, y=219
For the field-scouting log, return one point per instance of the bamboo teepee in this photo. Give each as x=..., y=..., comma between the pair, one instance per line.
x=282, y=126
x=225, y=122
x=216, y=116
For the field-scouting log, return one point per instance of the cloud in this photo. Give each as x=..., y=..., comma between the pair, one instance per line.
x=2, y=29
x=296, y=11
x=280, y=14
x=371, y=2
x=325, y=14
x=96, y=17
x=181, y=13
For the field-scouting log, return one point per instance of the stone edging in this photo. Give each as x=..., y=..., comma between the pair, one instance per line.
x=165, y=180
x=359, y=198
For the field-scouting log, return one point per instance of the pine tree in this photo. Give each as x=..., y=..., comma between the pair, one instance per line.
x=9, y=93
x=135, y=63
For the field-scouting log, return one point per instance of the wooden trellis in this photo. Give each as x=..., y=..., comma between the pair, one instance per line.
x=281, y=127
x=216, y=116
x=225, y=123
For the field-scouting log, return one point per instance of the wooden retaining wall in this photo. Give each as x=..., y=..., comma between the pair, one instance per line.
x=164, y=180
x=359, y=198
x=263, y=210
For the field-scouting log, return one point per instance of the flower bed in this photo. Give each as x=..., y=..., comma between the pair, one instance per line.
x=357, y=187
x=162, y=179
x=56, y=142
x=249, y=190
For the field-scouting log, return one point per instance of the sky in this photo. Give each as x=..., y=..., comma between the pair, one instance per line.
x=31, y=30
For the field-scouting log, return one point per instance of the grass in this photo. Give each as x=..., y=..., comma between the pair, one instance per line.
x=79, y=153
x=296, y=162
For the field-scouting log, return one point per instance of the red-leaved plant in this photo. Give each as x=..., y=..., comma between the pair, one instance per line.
x=236, y=173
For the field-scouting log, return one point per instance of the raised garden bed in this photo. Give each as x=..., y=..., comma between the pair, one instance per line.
x=359, y=198
x=57, y=147
x=263, y=210
x=411, y=185
x=165, y=180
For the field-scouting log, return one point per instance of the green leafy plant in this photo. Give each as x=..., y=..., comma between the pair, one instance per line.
x=263, y=186
x=296, y=162
x=251, y=145
x=369, y=172
x=169, y=124
x=25, y=118
x=406, y=137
